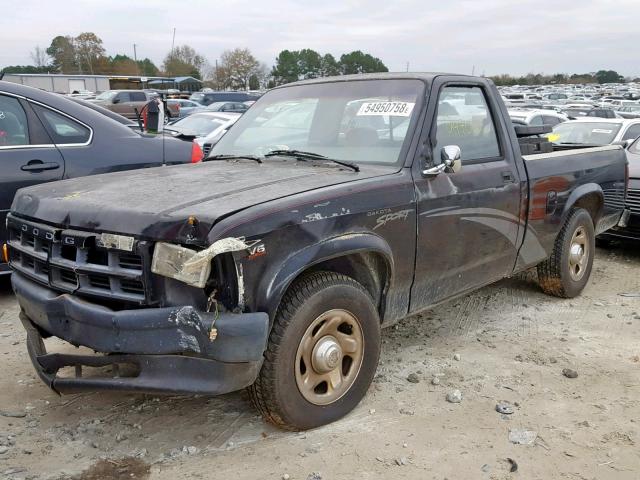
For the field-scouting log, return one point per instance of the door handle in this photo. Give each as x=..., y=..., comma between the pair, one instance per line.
x=39, y=165
x=507, y=177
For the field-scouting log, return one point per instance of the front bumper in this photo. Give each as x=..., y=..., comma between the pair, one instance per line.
x=171, y=348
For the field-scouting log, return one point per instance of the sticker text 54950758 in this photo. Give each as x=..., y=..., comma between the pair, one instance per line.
x=396, y=109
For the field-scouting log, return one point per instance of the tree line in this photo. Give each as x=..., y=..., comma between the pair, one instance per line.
x=236, y=69
x=601, y=76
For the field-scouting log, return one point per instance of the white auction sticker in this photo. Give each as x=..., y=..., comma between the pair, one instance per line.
x=600, y=130
x=396, y=109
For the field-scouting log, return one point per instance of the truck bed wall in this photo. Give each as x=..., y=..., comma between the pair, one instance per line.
x=570, y=175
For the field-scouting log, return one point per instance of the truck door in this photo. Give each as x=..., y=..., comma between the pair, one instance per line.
x=27, y=154
x=467, y=221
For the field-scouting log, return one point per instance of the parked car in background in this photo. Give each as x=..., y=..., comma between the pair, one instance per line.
x=179, y=108
x=202, y=124
x=594, y=131
x=207, y=98
x=45, y=137
x=629, y=111
x=124, y=102
x=632, y=201
x=234, y=107
x=207, y=142
x=537, y=117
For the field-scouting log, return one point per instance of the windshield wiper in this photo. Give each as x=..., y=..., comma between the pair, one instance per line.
x=305, y=156
x=233, y=157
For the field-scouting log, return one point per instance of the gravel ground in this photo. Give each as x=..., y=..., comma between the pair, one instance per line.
x=506, y=344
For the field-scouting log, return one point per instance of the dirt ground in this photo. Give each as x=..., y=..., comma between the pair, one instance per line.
x=507, y=342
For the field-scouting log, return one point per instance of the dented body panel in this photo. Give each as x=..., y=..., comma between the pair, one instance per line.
x=410, y=239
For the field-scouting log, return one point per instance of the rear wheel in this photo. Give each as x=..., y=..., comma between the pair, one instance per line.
x=567, y=271
x=322, y=354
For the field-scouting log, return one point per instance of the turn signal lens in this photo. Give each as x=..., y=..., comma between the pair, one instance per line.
x=5, y=253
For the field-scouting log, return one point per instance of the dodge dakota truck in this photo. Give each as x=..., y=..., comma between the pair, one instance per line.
x=275, y=263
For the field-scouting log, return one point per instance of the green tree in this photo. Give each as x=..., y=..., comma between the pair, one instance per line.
x=309, y=63
x=63, y=53
x=329, y=66
x=25, y=69
x=359, y=62
x=147, y=68
x=286, y=69
x=609, y=76
x=123, y=65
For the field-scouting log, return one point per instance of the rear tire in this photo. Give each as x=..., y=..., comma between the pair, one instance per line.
x=566, y=272
x=322, y=353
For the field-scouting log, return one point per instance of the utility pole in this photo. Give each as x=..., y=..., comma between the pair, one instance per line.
x=473, y=71
x=135, y=55
x=407, y=66
x=173, y=41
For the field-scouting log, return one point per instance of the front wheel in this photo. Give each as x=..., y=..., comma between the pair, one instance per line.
x=567, y=271
x=322, y=354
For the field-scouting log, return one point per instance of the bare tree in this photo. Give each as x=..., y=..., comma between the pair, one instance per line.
x=237, y=67
x=40, y=57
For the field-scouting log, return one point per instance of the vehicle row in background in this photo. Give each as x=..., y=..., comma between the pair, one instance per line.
x=45, y=137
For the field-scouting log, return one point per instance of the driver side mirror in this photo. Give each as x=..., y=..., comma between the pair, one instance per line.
x=115, y=100
x=451, y=162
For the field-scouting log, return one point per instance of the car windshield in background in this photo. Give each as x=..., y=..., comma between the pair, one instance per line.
x=106, y=95
x=199, y=125
x=635, y=147
x=358, y=121
x=584, y=133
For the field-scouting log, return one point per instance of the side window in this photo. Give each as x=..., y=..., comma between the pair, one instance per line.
x=123, y=97
x=62, y=129
x=549, y=120
x=536, y=121
x=632, y=132
x=464, y=119
x=14, y=128
x=138, y=97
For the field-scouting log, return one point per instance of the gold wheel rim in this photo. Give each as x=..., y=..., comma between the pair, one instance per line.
x=329, y=357
x=578, y=254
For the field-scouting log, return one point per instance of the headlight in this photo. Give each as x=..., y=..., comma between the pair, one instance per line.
x=190, y=266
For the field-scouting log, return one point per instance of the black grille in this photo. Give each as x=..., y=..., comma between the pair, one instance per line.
x=71, y=261
x=633, y=200
x=206, y=148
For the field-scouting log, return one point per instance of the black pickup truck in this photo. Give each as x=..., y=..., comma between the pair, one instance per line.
x=275, y=263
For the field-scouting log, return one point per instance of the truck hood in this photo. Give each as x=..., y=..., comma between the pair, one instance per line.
x=156, y=203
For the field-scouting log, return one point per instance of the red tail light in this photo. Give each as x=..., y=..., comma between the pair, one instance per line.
x=196, y=153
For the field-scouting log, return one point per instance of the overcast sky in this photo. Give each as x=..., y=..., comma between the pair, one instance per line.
x=495, y=36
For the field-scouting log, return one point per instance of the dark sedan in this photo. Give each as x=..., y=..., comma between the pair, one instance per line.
x=46, y=137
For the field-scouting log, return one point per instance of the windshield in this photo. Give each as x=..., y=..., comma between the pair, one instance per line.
x=199, y=125
x=635, y=147
x=591, y=133
x=108, y=95
x=358, y=121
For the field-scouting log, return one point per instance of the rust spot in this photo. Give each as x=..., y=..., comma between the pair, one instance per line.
x=120, y=469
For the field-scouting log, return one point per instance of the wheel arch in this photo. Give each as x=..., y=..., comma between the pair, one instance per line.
x=589, y=197
x=365, y=257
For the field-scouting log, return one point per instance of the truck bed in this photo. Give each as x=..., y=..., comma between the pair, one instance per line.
x=556, y=177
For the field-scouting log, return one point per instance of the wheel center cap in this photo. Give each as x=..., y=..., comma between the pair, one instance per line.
x=327, y=355
x=576, y=253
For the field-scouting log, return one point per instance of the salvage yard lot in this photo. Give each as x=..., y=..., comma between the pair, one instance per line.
x=513, y=343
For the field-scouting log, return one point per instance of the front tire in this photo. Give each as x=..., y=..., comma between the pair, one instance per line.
x=567, y=271
x=322, y=354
